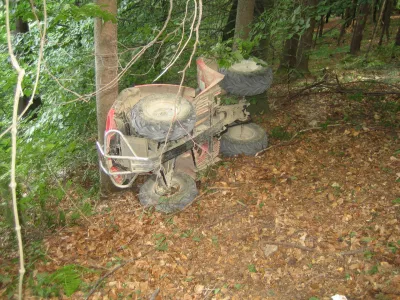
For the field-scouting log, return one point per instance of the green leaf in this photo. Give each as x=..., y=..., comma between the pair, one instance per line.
x=69, y=278
x=252, y=268
x=396, y=201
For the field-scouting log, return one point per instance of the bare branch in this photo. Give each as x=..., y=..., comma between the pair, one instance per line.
x=14, y=127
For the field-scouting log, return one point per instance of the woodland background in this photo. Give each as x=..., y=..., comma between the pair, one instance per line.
x=349, y=48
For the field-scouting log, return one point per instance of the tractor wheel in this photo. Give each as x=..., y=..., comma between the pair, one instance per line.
x=246, y=78
x=152, y=117
x=245, y=139
x=183, y=192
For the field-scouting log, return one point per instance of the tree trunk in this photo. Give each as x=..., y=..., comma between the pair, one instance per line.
x=288, y=60
x=306, y=40
x=265, y=43
x=328, y=15
x=397, y=41
x=359, y=28
x=244, y=17
x=105, y=37
x=345, y=24
x=229, y=29
x=21, y=26
x=353, y=12
x=321, y=26
x=375, y=9
x=386, y=21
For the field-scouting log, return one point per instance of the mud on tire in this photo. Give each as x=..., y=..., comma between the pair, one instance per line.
x=246, y=78
x=245, y=139
x=151, y=117
x=186, y=192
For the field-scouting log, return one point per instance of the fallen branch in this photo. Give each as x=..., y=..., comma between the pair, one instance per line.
x=340, y=88
x=286, y=143
x=114, y=270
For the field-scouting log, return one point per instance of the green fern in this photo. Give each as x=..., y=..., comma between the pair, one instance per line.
x=49, y=285
x=68, y=277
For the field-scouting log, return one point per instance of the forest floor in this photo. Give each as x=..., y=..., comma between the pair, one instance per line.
x=315, y=215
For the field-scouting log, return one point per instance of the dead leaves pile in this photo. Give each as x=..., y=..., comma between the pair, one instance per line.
x=314, y=218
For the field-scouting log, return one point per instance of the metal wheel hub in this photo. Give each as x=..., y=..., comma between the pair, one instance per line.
x=242, y=132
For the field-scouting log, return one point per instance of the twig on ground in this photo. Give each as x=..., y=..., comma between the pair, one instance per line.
x=114, y=270
x=315, y=277
x=290, y=245
x=154, y=295
x=352, y=252
x=221, y=188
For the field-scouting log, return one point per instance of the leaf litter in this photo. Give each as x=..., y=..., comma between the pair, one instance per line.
x=313, y=218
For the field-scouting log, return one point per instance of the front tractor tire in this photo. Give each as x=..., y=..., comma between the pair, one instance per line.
x=247, y=139
x=182, y=192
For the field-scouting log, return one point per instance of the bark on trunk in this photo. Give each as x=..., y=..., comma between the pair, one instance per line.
x=105, y=36
x=346, y=23
x=355, y=45
x=244, y=17
x=397, y=41
x=321, y=26
x=229, y=29
x=386, y=21
x=21, y=26
x=288, y=60
x=306, y=40
x=265, y=43
x=375, y=8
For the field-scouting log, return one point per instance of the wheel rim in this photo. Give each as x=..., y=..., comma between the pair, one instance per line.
x=242, y=132
x=171, y=191
x=164, y=110
x=245, y=66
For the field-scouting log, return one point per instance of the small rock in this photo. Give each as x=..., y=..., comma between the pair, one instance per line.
x=269, y=249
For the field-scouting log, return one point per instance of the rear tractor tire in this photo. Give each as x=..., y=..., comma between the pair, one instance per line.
x=246, y=78
x=153, y=114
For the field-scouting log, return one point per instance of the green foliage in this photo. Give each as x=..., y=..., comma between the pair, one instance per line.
x=226, y=54
x=280, y=133
x=78, y=13
x=229, y=99
x=252, y=268
x=161, y=242
x=67, y=279
x=393, y=247
x=282, y=21
x=55, y=145
x=374, y=269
